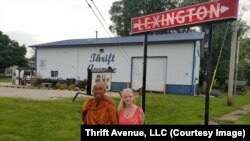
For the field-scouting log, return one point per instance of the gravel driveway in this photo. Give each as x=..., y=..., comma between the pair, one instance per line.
x=41, y=94
x=37, y=94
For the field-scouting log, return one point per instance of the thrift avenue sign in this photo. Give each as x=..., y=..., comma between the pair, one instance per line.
x=216, y=10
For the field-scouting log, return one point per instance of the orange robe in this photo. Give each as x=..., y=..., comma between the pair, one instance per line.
x=103, y=113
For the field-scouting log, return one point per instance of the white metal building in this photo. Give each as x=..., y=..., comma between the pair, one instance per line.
x=172, y=66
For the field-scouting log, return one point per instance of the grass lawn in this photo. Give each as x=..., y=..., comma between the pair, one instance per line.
x=25, y=120
x=59, y=120
x=179, y=109
x=244, y=120
x=5, y=79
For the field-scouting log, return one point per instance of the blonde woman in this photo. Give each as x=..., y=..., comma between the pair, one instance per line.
x=128, y=112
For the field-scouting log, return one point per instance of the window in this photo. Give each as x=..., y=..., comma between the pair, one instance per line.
x=54, y=74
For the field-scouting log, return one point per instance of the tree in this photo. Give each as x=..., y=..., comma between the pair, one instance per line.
x=122, y=11
x=191, y=2
x=11, y=53
x=244, y=59
x=219, y=30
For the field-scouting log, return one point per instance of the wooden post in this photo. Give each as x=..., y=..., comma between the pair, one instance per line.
x=232, y=65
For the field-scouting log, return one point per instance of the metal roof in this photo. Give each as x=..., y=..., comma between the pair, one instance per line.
x=177, y=37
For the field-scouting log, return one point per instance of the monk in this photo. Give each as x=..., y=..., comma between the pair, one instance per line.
x=99, y=110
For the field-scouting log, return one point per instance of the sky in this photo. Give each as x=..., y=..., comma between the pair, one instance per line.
x=32, y=22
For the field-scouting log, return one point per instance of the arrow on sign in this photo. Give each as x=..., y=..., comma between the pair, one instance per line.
x=223, y=9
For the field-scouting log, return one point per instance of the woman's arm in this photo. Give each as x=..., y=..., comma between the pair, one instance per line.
x=141, y=116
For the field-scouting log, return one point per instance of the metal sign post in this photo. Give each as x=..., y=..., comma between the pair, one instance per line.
x=104, y=77
x=144, y=71
x=209, y=64
x=203, y=13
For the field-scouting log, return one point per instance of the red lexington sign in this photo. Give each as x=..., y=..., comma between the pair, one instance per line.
x=191, y=15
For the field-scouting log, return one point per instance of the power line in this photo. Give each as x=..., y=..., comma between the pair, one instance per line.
x=218, y=61
x=97, y=17
x=126, y=56
x=123, y=52
x=100, y=13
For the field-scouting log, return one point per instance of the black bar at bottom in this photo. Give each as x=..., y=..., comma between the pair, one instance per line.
x=163, y=132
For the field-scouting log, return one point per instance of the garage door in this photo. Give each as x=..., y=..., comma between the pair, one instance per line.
x=156, y=73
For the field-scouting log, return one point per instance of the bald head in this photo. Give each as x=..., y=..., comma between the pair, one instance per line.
x=100, y=84
x=98, y=91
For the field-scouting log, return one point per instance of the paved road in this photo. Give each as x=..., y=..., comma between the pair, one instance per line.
x=41, y=94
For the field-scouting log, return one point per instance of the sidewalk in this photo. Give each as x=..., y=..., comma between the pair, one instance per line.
x=232, y=116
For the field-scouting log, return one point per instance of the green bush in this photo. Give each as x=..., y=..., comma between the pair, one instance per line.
x=82, y=84
x=63, y=86
x=72, y=87
x=37, y=81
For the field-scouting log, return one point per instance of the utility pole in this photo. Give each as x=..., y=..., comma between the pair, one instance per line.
x=236, y=68
x=232, y=65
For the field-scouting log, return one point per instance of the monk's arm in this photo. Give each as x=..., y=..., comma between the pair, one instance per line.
x=113, y=115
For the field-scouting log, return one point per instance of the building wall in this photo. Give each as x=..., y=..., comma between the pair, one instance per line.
x=9, y=71
x=62, y=59
x=73, y=62
x=156, y=73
